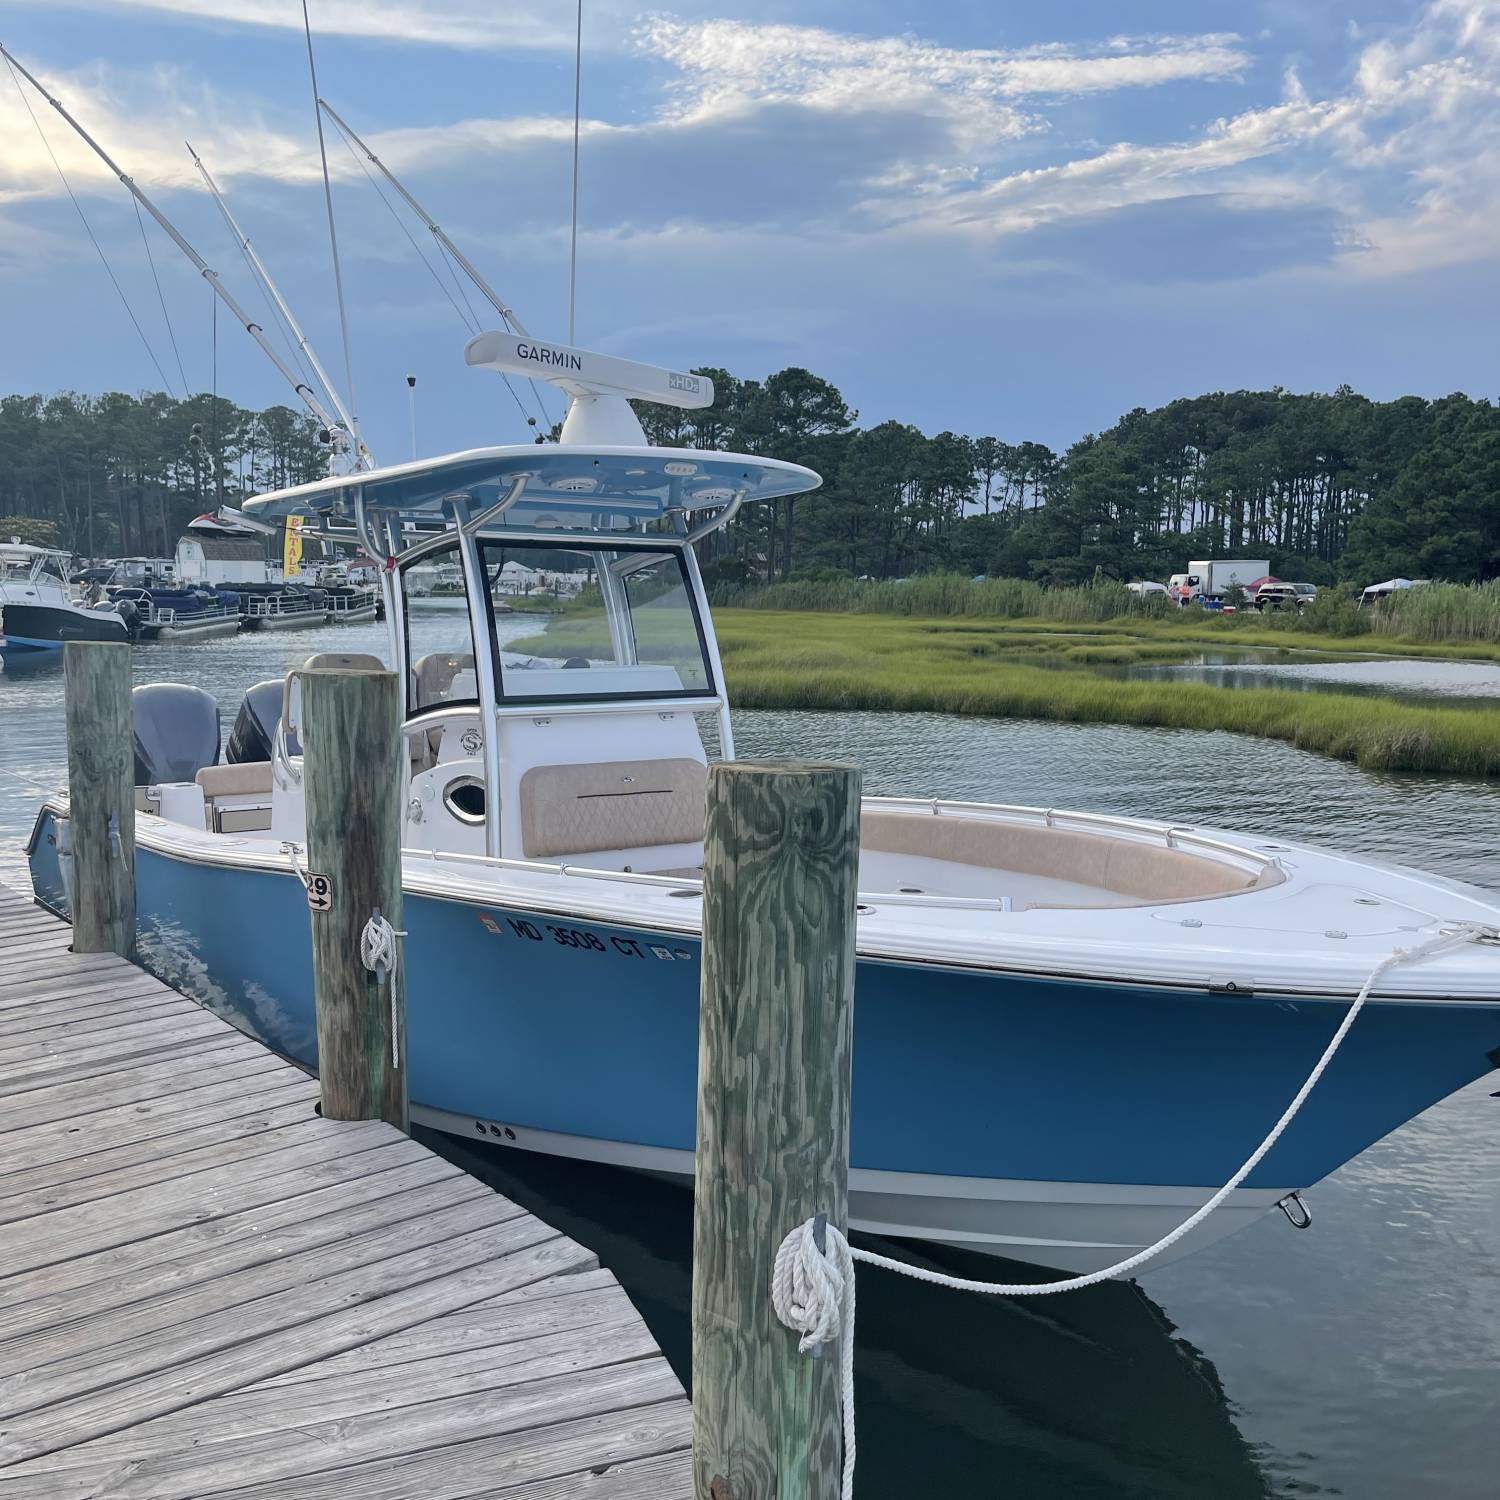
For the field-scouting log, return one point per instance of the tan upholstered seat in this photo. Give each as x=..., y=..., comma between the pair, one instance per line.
x=620, y=804
x=251, y=779
x=1140, y=872
x=433, y=674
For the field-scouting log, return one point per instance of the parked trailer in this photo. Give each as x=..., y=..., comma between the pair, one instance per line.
x=1213, y=579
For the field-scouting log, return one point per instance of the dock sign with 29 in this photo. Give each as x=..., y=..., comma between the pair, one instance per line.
x=319, y=892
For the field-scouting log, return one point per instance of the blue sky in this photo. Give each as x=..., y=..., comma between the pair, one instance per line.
x=1020, y=220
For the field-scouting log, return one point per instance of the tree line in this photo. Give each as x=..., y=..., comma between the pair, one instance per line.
x=1329, y=487
x=121, y=476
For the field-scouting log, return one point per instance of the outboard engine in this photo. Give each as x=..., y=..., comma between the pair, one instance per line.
x=128, y=611
x=176, y=732
x=254, y=731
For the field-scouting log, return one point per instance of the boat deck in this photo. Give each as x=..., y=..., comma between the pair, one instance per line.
x=207, y=1289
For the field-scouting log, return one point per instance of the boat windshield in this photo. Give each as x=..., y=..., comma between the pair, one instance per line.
x=605, y=623
x=42, y=568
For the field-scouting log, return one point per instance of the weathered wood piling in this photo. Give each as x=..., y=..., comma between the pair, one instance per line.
x=351, y=745
x=101, y=796
x=775, y=1037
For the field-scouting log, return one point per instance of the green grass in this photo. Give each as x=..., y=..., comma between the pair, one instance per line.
x=841, y=661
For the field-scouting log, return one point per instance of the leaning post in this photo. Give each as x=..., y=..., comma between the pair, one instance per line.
x=775, y=1033
x=101, y=795
x=351, y=776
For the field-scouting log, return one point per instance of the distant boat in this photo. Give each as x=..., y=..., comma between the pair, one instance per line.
x=351, y=605
x=37, y=609
x=284, y=607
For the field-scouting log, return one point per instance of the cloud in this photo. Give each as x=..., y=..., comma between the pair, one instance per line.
x=141, y=119
x=1408, y=153
x=730, y=69
x=834, y=69
x=867, y=141
x=468, y=25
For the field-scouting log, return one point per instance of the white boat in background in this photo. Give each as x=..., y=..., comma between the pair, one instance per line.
x=38, y=610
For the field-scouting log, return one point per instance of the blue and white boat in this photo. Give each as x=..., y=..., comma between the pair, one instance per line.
x=1069, y=1028
x=38, y=610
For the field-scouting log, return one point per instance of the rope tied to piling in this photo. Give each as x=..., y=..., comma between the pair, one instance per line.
x=379, y=950
x=380, y=953
x=812, y=1290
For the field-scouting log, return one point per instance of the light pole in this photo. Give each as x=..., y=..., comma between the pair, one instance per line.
x=411, y=401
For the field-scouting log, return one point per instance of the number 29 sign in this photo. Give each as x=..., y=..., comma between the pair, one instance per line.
x=319, y=892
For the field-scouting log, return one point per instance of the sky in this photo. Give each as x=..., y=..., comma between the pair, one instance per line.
x=1018, y=219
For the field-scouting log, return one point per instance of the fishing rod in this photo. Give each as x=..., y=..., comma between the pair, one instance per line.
x=436, y=230
x=259, y=267
x=338, y=435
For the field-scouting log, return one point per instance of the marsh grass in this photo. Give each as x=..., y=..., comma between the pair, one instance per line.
x=1440, y=619
x=936, y=594
x=808, y=660
x=1445, y=612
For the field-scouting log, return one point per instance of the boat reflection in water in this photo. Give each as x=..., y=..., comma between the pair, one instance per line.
x=1092, y=1394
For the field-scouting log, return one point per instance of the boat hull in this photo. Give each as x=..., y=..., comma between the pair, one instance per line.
x=191, y=630
x=1062, y=1121
x=302, y=620
x=47, y=627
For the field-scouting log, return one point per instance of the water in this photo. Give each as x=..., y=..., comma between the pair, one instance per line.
x=1456, y=684
x=1359, y=1359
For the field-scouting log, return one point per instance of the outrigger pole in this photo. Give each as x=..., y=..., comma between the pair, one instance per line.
x=259, y=267
x=309, y=396
x=437, y=232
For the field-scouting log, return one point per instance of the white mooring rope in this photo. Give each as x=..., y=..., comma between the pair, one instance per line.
x=812, y=1290
x=380, y=953
x=379, y=949
x=290, y=849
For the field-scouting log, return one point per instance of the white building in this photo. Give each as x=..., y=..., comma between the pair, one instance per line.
x=225, y=548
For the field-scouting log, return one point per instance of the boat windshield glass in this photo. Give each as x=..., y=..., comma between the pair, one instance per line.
x=43, y=569
x=604, y=623
x=438, y=637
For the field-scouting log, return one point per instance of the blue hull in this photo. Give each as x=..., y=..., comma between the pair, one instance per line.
x=591, y=1030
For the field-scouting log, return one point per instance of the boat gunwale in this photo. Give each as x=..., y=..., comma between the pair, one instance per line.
x=260, y=856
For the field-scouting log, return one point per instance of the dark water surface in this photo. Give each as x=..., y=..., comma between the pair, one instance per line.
x=1361, y=1358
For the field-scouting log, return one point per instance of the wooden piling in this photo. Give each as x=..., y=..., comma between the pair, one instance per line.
x=101, y=796
x=351, y=737
x=775, y=1034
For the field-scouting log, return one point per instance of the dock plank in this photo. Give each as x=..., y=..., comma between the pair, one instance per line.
x=137, y=1122
x=209, y=1290
x=117, y=1169
x=267, y=1409
x=83, y=1292
x=434, y=1431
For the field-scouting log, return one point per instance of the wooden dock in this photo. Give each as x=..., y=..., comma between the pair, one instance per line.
x=206, y=1289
